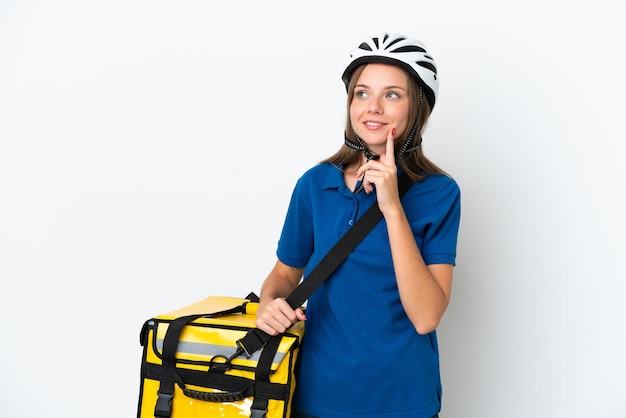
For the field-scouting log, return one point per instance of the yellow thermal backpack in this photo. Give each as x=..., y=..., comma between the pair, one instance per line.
x=196, y=364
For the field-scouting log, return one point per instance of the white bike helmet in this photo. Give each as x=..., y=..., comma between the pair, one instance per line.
x=409, y=54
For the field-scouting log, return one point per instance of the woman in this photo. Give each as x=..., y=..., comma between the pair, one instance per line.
x=370, y=348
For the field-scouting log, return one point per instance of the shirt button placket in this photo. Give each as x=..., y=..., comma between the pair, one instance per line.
x=355, y=207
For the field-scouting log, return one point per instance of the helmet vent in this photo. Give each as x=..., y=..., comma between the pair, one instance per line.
x=395, y=41
x=427, y=65
x=365, y=46
x=409, y=48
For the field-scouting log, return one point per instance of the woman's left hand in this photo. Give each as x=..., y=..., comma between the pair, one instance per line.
x=382, y=174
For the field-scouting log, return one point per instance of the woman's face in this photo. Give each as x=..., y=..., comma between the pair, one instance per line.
x=380, y=102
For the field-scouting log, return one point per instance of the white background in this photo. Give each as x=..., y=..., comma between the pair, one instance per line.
x=149, y=148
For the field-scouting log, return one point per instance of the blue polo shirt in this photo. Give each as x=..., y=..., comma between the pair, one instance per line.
x=361, y=356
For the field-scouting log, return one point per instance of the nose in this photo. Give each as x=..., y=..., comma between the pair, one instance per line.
x=375, y=106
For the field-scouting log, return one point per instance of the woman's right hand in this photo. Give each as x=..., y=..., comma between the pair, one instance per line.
x=276, y=316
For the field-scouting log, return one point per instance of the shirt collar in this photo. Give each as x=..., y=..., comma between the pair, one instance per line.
x=334, y=178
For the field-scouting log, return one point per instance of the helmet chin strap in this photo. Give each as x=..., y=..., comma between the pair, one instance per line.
x=369, y=155
x=360, y=146
x=405, y=147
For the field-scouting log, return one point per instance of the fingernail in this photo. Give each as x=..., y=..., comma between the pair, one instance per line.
x=393, y=131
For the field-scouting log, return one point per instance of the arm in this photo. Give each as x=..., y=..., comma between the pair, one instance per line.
x=424, y=290
x=274, y=314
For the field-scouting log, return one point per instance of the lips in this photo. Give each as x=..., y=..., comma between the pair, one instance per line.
x=373, y=124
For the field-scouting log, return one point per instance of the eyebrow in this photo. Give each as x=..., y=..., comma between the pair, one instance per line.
x=392, y=87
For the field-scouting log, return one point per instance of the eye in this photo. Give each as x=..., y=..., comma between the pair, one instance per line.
x=360, y=94
x=392, y=95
